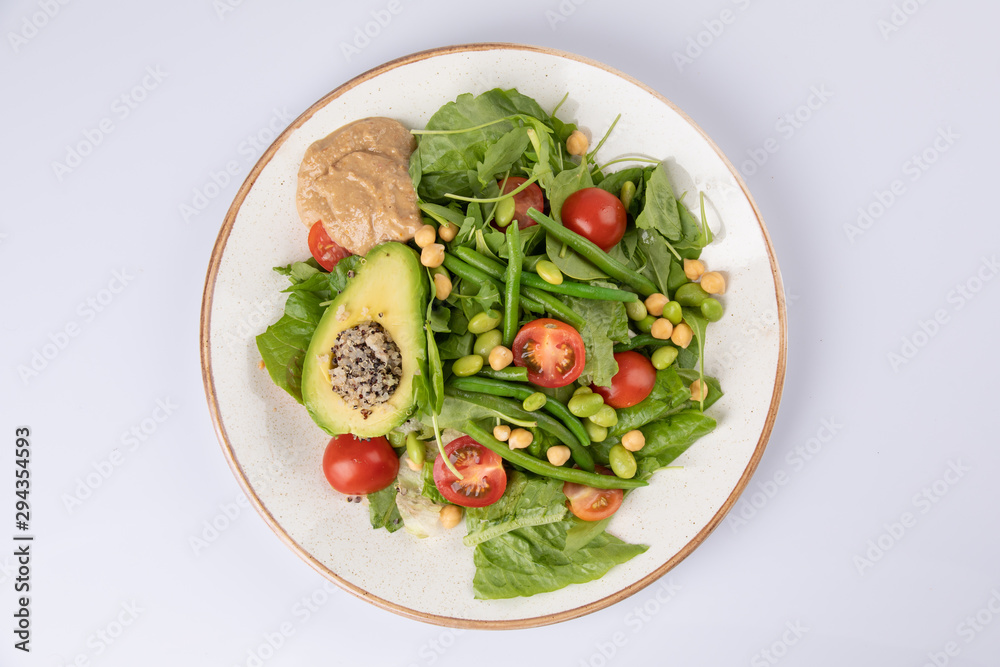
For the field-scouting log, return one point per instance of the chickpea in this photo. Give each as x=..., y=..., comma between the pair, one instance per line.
x=693, y=268
x=662, y=328
x=417, y=467
x=682, y=335
x=425, y=236
x=655, y=303
x=634, y=440
x=501, y=432
x=432, y=256
x=713, y=283
x=576, y=143
x=557, y=455
x=448, y=231
x=519, y=438
x=500, y=357
x=442, y=286
x=699, y=391
x=450, y=516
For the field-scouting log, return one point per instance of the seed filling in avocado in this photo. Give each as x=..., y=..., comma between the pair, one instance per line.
x=365, y=366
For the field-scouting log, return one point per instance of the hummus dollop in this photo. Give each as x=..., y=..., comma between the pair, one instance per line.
x=357, y=182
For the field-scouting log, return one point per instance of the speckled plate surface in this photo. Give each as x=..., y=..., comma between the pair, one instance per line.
x=274, y=448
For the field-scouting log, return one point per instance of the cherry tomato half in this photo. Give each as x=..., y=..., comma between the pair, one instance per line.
x=632, y=383
x=595, y=214
x=592, y=504
x=530, y=197
x=357, y=466
x=483, y=477
x=324, y=249
x=551, y=350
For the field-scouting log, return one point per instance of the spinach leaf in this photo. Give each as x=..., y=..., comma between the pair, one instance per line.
x=566, y=183
x=658, y=258
x=570, y=262
x=527, y=501
x=606, y=324
x=456, y=346
x=659, y=210
x=382, y=510
x=283, y=345
x=537, y=559
x=670, y=437
x=613, y=182
x=502, y=155
x=669, y=391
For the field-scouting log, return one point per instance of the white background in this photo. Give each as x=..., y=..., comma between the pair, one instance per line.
x=824, y=550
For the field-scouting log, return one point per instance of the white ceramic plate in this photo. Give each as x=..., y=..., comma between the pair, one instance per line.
x=274, y=448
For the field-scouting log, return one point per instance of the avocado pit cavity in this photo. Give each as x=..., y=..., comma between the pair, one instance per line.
x=365, y=366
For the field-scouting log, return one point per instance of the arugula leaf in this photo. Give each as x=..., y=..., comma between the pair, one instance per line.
x=606, y=324
x=659, y=211
x=536, y=559
x=283, y=345
x=382, y=509
x=526, y=502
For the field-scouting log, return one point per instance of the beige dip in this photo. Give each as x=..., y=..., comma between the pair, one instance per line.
x=356, y=181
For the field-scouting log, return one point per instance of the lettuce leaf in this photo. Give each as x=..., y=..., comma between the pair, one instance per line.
x=526, y=502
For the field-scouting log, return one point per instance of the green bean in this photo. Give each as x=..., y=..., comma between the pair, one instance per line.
x=581, y=455
x=486, y=342
x=509, y=374
x=495, y=270
x=642, y=340
x=539, y=467
x=470, y=274
x=554, y=407
x=535, y=401
x=485, y=321
x=622, y=462
x=465, y=366
x=554, y=306
x=592, y=253
x=415, y=448
x=585, y=405
x=664, y=356
x=512, y=293
x=690, y=295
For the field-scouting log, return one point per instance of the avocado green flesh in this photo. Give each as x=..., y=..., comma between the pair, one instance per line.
x=390, y=288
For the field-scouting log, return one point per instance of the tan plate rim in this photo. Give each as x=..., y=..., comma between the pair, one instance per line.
x=213, y=405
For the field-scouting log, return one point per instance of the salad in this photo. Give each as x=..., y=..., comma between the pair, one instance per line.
x=506, y=333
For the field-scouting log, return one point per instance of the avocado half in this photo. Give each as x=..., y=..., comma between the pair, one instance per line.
x=390, y=288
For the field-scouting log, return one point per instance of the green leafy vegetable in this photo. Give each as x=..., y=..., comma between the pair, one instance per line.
x=527, y=501
x=382, y=509
x=606, y=324
x=283, y=345
x=670, y=437
x=659, y=211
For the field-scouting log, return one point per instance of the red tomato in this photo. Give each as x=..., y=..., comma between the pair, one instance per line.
x=595, y=214
x=551, y=350
x=530, y=197
x=592, y=504
x=632, y=383
x=323, y=248
x=483, y=477
x=357, y=466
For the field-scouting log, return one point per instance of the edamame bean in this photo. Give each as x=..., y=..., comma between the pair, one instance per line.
x=585, y=405
x=663, y=357
x=483, y=322
x=711, y=310
x=486, y=342
x=645, y=324
x=594, y=432
x=583, y=390
x=690, y=295
x=549, y=272
x=636, y=310
x=415, y=448
x=622, y=462
x=606, y=417
x=505, y=212
x=466, y=366
x=535, y=402
x=627, y=193
x=672, y=311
